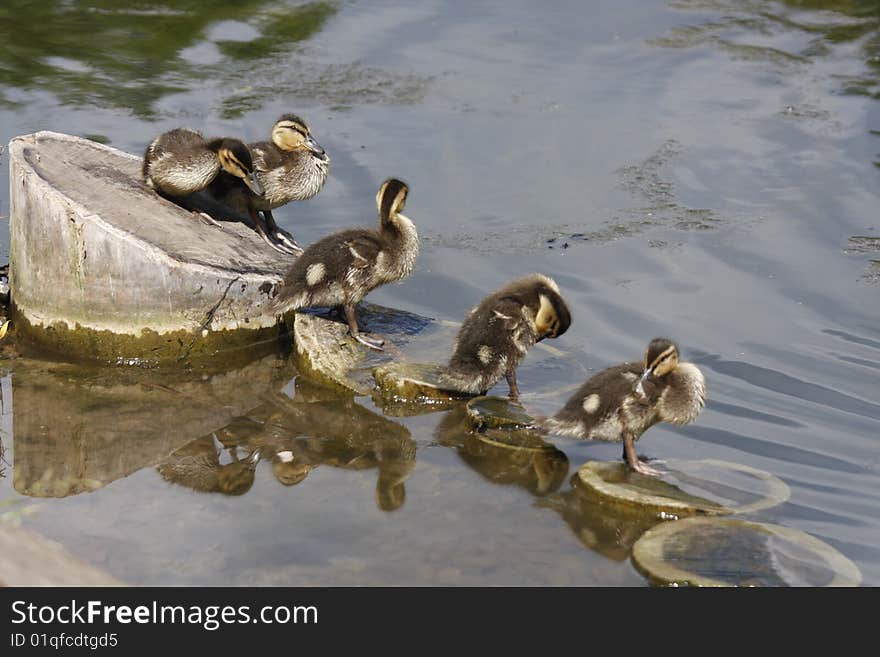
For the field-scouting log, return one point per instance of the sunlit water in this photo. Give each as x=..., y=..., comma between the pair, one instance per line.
x=705, y=170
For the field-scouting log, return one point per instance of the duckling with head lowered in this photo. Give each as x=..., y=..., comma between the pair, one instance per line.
x=181, y=162
x=290, y=167
x=340, y=269
x=498, y=332
x=623, y=401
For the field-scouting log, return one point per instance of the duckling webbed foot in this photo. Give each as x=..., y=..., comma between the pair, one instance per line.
x=632, y=459
x=280, y=235
x=261, y=231
x=287, y=240
x=204, y=217
x=372, y=343
x=279, y=246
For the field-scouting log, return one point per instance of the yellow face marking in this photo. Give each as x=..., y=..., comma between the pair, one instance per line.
x=399, y=202
x=665, y=362
x=231, y=164
x=546, y=320
x=380, y=194
x=289, y=135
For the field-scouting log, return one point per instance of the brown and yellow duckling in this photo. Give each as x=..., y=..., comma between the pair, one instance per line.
x=181, y=162
x=290, y=167
x=623, y=401
x=499, y=331
x=340, y=269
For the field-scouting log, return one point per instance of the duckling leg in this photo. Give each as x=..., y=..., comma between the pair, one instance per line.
x=632, y=459
x=206, y=218
x=279, y=234
x=356, y=334
x=261, y=231
x=510, y=375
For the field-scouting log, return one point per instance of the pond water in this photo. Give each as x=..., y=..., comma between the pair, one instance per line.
x=706, y=170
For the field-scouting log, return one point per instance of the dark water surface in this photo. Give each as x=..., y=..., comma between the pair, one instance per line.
x=706, y=170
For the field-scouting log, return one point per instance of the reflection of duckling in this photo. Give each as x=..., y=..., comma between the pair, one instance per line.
x=291, y=167
x=623, y=401
x=340, y=269
x=600, y=527
x=396, y=461
x=181, y=162
x=504, y=456
x=497, y=333
x=288, y=470
x=197, y=465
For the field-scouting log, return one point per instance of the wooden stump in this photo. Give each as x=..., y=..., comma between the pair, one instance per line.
x=102, y=267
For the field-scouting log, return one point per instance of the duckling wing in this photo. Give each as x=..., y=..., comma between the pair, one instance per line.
x=591, y=411
x=266, y=156
x=337, y=269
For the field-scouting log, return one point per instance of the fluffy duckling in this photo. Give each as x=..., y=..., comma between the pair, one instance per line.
x=497, y=333
x=340, y=269
x=181, y=162
x=290, y=167
x=623, y=401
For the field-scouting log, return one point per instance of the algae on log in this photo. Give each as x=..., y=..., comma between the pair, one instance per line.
x=102, y=267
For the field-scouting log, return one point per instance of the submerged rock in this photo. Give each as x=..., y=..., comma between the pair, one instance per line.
x=686, y=488
x=730, y=552
x=498, y=413
x=400, y=385
x=326, y=352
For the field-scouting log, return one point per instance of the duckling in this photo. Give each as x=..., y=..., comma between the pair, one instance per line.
x=340, y=269
x=291, y=167
x=181, y=162
x=623, y=401
x=197, y=465
x=499, y=331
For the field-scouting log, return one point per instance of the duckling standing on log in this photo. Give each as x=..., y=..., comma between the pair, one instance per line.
x=497, y=333
x=623, y=401
x=291, y=167
x=340, y=269
x=181, y=162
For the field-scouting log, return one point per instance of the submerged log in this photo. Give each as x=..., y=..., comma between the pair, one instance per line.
x=102, y=267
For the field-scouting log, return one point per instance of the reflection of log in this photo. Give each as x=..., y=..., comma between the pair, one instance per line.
x=77, y=430
x=103, y=267
x=519, y=457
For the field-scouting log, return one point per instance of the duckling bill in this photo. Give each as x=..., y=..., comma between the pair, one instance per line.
x=342, y=268
x=621, y=402
x=498, y=333
x=290, y=167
